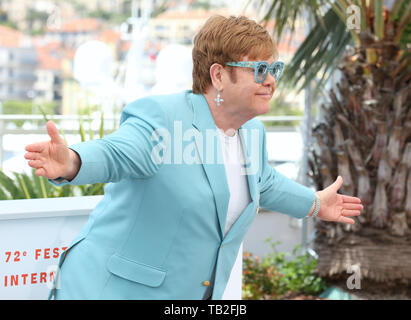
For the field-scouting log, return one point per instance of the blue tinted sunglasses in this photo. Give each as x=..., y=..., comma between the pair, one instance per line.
x=261, y=69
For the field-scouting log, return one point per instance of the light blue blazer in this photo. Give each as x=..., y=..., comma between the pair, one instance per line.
x=158, y=233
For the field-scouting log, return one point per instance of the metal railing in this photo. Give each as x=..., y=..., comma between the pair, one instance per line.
x=71, y=123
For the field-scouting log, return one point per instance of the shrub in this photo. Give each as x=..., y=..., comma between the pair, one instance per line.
x=280, y=274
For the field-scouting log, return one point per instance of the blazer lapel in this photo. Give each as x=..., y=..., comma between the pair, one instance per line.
x=211, y=156
x=251, y=157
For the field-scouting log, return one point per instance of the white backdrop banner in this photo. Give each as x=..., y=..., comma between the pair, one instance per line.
x=33, y=235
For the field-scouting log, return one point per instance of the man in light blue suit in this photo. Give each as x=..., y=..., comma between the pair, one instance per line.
x=187, y=172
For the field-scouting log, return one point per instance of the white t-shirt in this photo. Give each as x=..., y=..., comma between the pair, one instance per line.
x=233, y=156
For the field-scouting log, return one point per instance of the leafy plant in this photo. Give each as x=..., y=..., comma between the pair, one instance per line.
x=25, y=186
x=280, y=274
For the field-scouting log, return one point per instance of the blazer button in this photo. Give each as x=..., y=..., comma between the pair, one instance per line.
x=206, y=283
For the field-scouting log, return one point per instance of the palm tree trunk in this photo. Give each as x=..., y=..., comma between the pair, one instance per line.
x=367, y=140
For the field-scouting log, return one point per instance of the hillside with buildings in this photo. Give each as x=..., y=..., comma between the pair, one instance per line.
x=39, y=40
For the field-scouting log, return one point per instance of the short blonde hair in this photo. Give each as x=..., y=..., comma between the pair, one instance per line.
x=222, y=40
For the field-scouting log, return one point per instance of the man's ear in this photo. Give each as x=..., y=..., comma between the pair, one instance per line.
x=216, y=75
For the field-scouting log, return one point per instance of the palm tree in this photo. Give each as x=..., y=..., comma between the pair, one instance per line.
x=365, y=132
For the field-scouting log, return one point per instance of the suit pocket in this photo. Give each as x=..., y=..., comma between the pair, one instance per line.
x=135, y=271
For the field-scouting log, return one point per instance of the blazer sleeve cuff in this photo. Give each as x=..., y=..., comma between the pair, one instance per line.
x=89, y=169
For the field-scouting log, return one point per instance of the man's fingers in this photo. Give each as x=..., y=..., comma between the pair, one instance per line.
x=35, y=147
x=348, y=199
x=32, y=156
x=350, y=213
x=53, y=132
x=40, y=172
x=346, y=220
x=35, y=163
x=353, y=206
x=337, y=184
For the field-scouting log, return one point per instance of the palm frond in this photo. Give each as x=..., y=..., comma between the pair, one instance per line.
x=43, y=113
x=27, y=182
x=101, y=125
x=406, y=14
x=286, y=13
x=67, y=190
x=22, y=186
x=9, y=185
x=378, y=18
x=319, y=54
x=395, y=10
x=343, y=10
x=39, y=184
x=404, y=22
x=4, y=195
x=90, y=127
x=81, y=130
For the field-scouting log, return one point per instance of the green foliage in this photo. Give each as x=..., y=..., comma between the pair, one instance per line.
x=406, y=34
x=111, y=17
x=319, y=53
x=4, y=20
x=25, y=186
x=329, y=36
x=28, y=107
x=286, y=13
x=36, y=18
x=279, y=106
x=279, y=274
x=201, y=4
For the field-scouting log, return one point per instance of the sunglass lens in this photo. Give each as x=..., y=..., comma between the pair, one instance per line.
x=261, y=71
x=277, y=72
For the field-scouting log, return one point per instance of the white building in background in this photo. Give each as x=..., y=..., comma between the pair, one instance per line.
x=179, y=26
x=17, y=73
x=75, y=32
x=30, y=14
x=17, y=65
x=48, y=86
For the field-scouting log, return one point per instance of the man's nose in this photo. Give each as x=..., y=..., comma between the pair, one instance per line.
x=270, y=80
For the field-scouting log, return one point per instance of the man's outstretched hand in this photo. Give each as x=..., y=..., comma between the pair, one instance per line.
x=337, y=207
x=53, y=159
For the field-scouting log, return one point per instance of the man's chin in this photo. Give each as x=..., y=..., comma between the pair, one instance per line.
x=264, y=109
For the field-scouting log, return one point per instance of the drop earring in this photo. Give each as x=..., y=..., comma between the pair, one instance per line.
x=218, y=99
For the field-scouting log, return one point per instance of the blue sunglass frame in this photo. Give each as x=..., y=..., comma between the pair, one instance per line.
x=276, y=68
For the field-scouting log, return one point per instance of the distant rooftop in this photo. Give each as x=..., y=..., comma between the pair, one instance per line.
x=192, y=14
x=9, y=37
x=78, y=25
x=46, y=56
